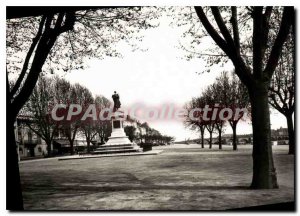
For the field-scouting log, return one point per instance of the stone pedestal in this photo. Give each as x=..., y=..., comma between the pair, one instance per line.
x=118, y=142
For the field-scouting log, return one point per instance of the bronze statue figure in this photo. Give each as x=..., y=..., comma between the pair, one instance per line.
x=117, y=103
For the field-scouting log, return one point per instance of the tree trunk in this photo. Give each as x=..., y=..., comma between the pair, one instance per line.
x=49, y=149
x=210, y=140
x=202, y=138
x=234, y=139
x=13, y=184
x=291, y=131
x=264, y=172
x=14, y=198
x=88, y=145
x=72, y=147
x=220, y=139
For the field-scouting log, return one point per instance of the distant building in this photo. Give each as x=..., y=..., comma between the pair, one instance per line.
x=242, y=139
x=29, y=144
x=280, y=136
x=281, y=133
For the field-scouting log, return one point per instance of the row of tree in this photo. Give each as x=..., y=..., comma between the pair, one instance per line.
x=226, y=92
x=154, y=136
x=148, y=136
x=51, y=91
x=233, y=94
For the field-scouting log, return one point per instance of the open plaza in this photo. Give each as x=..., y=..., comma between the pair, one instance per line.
x=181, y=177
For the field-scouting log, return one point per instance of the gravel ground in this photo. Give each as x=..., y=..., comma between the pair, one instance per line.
x=182, y=177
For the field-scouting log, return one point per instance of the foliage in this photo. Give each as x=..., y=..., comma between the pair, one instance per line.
x=130, y=132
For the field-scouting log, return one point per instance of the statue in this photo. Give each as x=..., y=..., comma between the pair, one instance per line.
x=117, y=103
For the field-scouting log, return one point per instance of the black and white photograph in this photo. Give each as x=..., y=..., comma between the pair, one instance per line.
x=150, y=108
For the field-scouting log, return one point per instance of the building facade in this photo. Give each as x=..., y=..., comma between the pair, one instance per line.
x=29, y=144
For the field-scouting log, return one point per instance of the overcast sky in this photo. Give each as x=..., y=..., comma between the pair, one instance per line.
x=155, y=77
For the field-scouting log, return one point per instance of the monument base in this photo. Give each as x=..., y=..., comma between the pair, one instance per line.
x=118, y=142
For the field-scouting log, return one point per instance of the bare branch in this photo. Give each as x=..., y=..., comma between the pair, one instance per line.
x=287, y=20
x=225, y=32
x=27, y=59
x=235, y=29
x=212, y=32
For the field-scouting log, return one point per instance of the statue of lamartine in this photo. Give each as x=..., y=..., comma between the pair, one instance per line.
x=117, y=103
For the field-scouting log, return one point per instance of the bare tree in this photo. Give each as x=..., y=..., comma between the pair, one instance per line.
x=238, y=99
x=231, y=93
x=219, y=95
x=38, y=109
x=49, y=29
x=103, y=126
x=210, y=123
x=210, y=127
x=255, y=71
x=282, y=88
x=87, y=125
x=67, y=94
x=196, y=123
